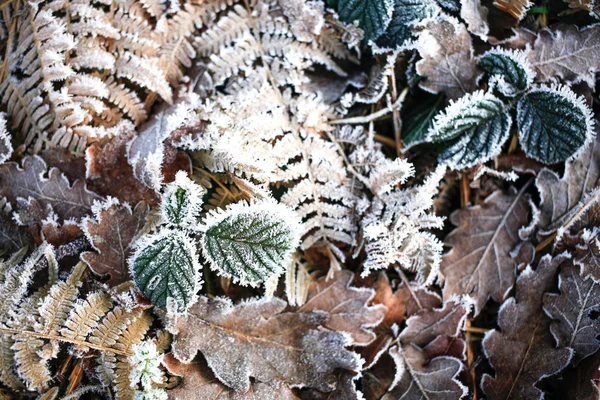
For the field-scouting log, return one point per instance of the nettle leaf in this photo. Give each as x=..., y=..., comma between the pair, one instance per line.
x=406, y=13
x=510, y=71
x=421, y=121
x=182, y=202
x=554, y=124
x=476, y=126
x=373, y=16
x=250, y=243
x=165, y=266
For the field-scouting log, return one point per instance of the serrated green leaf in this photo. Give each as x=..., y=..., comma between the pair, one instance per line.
x=250, y=243
x=421, y=121
x=166, y=266
x=405, y=14
x=449, y=5
x=476, y=127
x=181, y=202
x=553, y=124
x=373, y=16
x=509, y=70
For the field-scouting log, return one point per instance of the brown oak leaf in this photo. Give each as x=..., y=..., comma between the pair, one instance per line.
x=576, y=312
x=12, y=236
x=523, y=351
x=568, y=54
x=258, y=339
x=587, y=254
x=198, y=382
x=480, y=263
x=346, y=306
x=48, y=187
x=418, y=379
x=112, y=234
x=448, y=64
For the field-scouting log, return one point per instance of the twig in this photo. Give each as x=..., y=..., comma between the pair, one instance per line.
x=396, y=112
x=372, y=117
x=465, y=193
x=475, y=329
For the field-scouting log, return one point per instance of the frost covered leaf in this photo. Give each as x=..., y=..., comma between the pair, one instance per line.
x=112, y=234
x=587, y=254
x=373, y=16
x=575, y=313
x=52, y=190
x=182, y=202
x=564, y=201
x=346, y=305
x=423, y=327
x=12, y=236
x=406, y=14
x=476, y=17
x=257, y=339
x=198, y=382
x=553, y=124
x=6, y=148
x=476, y=127
x=447, y=64
x=250, y=243
x=510, y=71
x=516, y=8
x=418, y=379
x=523, y=351
x=480, y=264
x=165, y=266
x=420, y=121
x=565, y=53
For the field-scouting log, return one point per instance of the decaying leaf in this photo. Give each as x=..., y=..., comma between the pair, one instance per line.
x=523, y=351
x=112, y=234
x=475, y=15
x=257, y=339
x=198, y=382
x=565, y=201
x=516, y=8
x=447, y=64
x=347, y=307
x=575, y=312
x=568, y=54
x=587, y=254
x=480, y=264
x=418, y=379
x=49, y=188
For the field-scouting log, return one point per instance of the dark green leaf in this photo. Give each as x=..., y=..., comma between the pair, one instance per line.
x=373, y=16
x=509, y=70
x=477, y=126
x=166, y=266
x=421, y=121
x=553, y=124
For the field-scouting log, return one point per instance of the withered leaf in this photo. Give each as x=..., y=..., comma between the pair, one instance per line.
x=257, y=339
x=447, y=64
x=347, y=306
x=48, y=187
x=568, y=54
x=516, y=8
x=480, y=264
x=587, y=254
x=12, y=236
x=419, y=379
x=344, y=390
x=112, y=233
x=199, y=383
x=523, y=351
x=428, y=324
x=476, y=17
x=576, y=312
x=564, y=201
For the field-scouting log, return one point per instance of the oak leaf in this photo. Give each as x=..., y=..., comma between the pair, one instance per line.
x=346, y=306
x=480, y=263
x=575, y=312
x=198, y=382
x=523, y=351
x=112, y=234
x=587, y=254
x=447, y=64
x=258, y=339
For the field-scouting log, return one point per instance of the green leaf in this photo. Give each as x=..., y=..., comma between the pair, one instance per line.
x=181, y=202
x=421, y=120
x=165, y=266
x=406, y=13
x=509, y=71
x=373, y=16
x=476, y=127
x=250, y=243
x=553, y=123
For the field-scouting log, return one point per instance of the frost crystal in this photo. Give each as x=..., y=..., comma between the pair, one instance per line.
x=181, y=202
x=251, y=243
x=145, y=363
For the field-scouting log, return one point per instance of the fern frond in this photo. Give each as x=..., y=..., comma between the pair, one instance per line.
x=85, y=316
